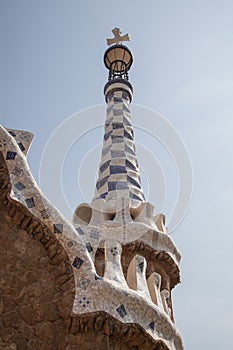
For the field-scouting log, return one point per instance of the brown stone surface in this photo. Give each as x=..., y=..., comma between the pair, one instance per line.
x=34, y=308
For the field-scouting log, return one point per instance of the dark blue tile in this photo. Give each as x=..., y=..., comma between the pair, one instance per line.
x=80, y=231
x=128, y=135
x=21, y=146
x=141, y=266
x=117, y=126
x=77, y=263
x=107, y=135
x=12, y=133
x=19, y=186
x=102, y=182
x=134, y=196
x=58, y=228
x=121, y=311
x=10, y=155
x=133, y=182
x=117, y=169
x=130, y=165
x=30, y=202
x=112, y=186
x=152, y=326
x=104, y=166
x=117, y=99
x=89, y=247
x=103, y=195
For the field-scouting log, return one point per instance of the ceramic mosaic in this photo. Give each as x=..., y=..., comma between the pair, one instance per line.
x=118, y=170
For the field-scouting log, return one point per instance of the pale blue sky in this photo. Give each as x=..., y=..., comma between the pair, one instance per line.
x=51, y=67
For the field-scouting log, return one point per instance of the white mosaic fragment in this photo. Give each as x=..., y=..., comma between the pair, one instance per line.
x=113, y=270
x=154, y=285
x=136, y=275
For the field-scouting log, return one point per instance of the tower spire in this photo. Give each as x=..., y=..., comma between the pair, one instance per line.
x=118, y=171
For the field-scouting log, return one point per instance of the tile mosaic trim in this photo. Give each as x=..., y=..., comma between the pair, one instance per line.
x=23, y=139
x=118, y=154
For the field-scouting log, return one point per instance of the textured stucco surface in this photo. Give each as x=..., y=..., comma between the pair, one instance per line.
x=36, y=293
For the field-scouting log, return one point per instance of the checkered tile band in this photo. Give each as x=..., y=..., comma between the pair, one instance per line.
x=118, y=172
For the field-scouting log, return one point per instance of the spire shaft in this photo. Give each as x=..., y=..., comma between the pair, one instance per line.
x=118, y=171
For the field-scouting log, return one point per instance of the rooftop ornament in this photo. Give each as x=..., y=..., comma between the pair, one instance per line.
x=118, y=38
x=118, y=58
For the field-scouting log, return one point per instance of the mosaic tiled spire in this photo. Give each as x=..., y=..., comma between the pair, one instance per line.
x=118, y=171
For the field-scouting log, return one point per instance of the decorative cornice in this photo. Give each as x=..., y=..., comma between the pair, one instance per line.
x=131, y=334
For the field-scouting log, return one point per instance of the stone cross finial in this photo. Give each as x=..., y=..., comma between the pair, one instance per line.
x=118, y=38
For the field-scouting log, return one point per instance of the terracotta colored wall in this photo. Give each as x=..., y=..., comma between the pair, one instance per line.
x=36, y=295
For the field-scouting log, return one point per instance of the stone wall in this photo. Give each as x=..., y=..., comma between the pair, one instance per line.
x=36, y=294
